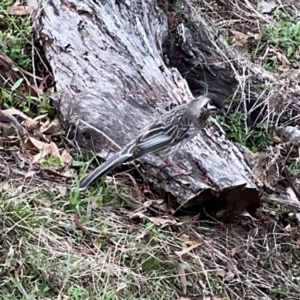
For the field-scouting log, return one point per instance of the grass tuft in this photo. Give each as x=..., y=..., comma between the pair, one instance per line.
x=15, y=36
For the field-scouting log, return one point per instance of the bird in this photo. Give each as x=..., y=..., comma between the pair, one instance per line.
x=162, y=137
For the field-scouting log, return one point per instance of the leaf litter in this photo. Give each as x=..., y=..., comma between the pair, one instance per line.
x=31, y=141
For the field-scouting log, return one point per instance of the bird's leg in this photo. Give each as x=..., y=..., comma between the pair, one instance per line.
x=172, y=163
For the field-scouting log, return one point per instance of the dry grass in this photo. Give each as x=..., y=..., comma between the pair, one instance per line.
x=46, y=255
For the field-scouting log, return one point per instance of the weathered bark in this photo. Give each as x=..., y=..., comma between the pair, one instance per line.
x=108, y=63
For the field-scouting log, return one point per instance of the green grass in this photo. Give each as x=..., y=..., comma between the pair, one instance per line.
x=255, y=139
x=284, y=35
x=16, y=43
x=15, y=36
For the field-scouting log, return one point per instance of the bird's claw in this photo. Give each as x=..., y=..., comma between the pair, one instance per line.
x=179, y=171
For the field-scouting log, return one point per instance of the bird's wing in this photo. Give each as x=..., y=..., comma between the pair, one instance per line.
x=164, y=132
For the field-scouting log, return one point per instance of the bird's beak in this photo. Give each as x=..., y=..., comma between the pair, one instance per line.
x=212, y=107
x=217, y=109
x=223, y=112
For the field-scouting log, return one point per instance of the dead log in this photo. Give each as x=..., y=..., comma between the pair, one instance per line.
x=108, y=62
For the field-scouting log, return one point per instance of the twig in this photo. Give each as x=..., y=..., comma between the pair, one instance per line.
x=11, y=119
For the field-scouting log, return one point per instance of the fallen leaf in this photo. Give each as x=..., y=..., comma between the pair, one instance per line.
x=240, y=38
x=93, y=205
x=41, y=117
x=54, y=150
x=66, y=158
x=9, y=256
x=30, y=174
x=186, y=250
x=62, y=190
x=135, y=214
x=266, y=7
x=233, y=252
x=21, y=10
x=67, y=174
x=186, y=239
x=43, y=153
x=160, y=221
x=43, y=86
x=282, y=58
x=151, y=202
x=182, y=278
x=15, y=112
x=24, y=156
x=298, y=242
x=276, y=139
x=38, y=144
x=51, y=128
x=139, y=214
x=292, y=195
x=93, y=250
x=46, y=202
x=30, y=124
x=229, y=276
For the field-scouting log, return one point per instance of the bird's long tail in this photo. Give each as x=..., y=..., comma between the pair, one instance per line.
x=102, y=170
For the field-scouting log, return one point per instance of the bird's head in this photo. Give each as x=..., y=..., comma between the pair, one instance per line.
x=204, y=105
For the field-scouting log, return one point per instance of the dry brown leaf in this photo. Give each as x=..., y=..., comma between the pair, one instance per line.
x=186, y=239
x=182, y=278
x=240, y=38
x=282, y=58
x=38, y=144
x=16, y=112
x=54, y=150
x=66, y=158
x=139, y=214
x=160, y=205
x=276, y=139
x=9, y=256
x=38, y=157
x=197, y=297
x=62, y=190
x=46, y=202
x=233, y=252
x=24, y=156
x=30, y=124
x=30, y=174
x=93, y=205
x=149, y=203
x=298, y=242
x=21, y=10
x=186, y=250
x=67, y=174
x=41, y=117
x=45, y=149
x=136, y=214
x=229, y=276
x=292, y=195
x=51, y=128
x=161, y=221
